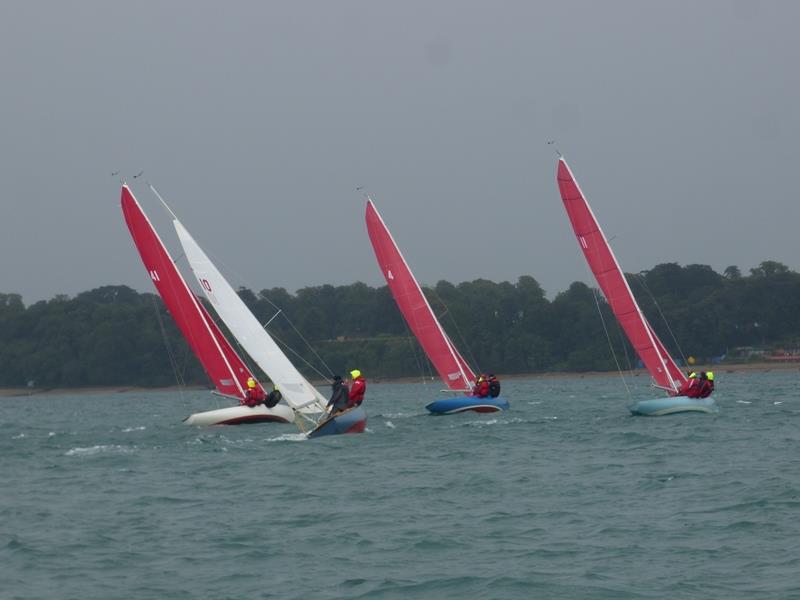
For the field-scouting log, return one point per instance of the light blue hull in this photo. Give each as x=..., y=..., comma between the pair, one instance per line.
x=353, y=420
x=676, y=404
x=449, y=406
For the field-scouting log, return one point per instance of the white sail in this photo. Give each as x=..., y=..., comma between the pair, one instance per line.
x=297, y=391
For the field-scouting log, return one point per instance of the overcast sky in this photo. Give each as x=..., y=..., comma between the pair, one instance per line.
x=257, y=121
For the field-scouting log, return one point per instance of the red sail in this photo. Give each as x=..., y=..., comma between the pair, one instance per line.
x=415, y=308
x=612, y=281
x=225, y=369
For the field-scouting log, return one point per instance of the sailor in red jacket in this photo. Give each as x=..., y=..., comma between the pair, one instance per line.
x=357, y=389
x=691, y=388
x=481, y=389
x=254, y=394
x=706, y=384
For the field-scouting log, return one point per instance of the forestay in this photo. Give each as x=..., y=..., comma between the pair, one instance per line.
x=416, y=310
x=612, y=282
x=297, y=391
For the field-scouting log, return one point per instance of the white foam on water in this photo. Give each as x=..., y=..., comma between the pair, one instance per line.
x=289, y=437
x=19, y=436
x=129, y=429
x=390, y=425
x=101, y=449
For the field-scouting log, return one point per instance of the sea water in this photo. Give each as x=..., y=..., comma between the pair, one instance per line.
x=564, y=496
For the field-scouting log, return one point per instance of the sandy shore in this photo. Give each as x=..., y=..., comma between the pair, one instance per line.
x=763, y=367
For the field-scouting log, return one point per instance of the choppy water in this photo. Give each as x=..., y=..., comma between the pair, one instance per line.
x=564, y=496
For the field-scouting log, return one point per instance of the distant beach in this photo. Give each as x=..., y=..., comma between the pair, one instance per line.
x=763, y=367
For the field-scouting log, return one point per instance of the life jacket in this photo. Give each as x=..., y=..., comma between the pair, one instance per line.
x=481, y=390
x=494, y=387
x=690, y=389
x=253, y=397
x=357, y=391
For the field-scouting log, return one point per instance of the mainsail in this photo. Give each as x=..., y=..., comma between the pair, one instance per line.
x=221, y=363
x=612, y=282
x=297, y=391
x=416, y=310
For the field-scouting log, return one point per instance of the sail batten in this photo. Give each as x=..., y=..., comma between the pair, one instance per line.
x=415, y=308
x=612, y=282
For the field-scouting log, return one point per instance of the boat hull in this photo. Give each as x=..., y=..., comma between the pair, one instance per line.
x=353, y=420
x=658, y=407
x=241, y=415
x=449, y=406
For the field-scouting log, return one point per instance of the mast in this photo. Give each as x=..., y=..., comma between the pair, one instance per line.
x=612, y=282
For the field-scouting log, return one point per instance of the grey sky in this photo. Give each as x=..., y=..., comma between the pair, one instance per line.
x=257, y=120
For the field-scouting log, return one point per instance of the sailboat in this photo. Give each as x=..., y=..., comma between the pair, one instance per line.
x=609, y=275
x=224, y=367
x=303, y=397
x=448, y=362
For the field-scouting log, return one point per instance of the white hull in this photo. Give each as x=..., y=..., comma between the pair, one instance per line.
x=238, y=415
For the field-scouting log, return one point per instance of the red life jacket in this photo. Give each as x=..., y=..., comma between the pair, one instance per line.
x=253, y=397
x=690, y=389
x=481, y=390
x=357, y=391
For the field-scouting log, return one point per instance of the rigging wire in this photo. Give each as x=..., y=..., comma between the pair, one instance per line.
x=610, y=345
x=461, y=337
x=641, y=278
x=262, y=296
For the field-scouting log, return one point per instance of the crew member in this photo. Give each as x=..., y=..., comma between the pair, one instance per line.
x=481, y=389
x=254, y=395
x=273, y=397
x=357, y=388
x=691, y=387
x=706, y=384
x=339, y=396
x=494, y=386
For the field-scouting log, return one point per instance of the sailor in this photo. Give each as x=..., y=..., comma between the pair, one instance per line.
x=273, y=397
x=494, y=386
x=691, y=387
x=481, y=389
x=706, y=384
x=339, y=396
x=357, y=388
x=254, y=394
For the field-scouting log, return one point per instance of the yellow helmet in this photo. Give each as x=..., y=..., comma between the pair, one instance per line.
x=275, y=387
x=692, y=375
x=710, y=376
x=251, y=383
x=355, y=373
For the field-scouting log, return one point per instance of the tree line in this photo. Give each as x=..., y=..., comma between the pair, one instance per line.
x=115, y=336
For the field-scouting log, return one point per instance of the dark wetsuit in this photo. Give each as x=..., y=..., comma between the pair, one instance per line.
x=273, y=398
x=339, y=397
